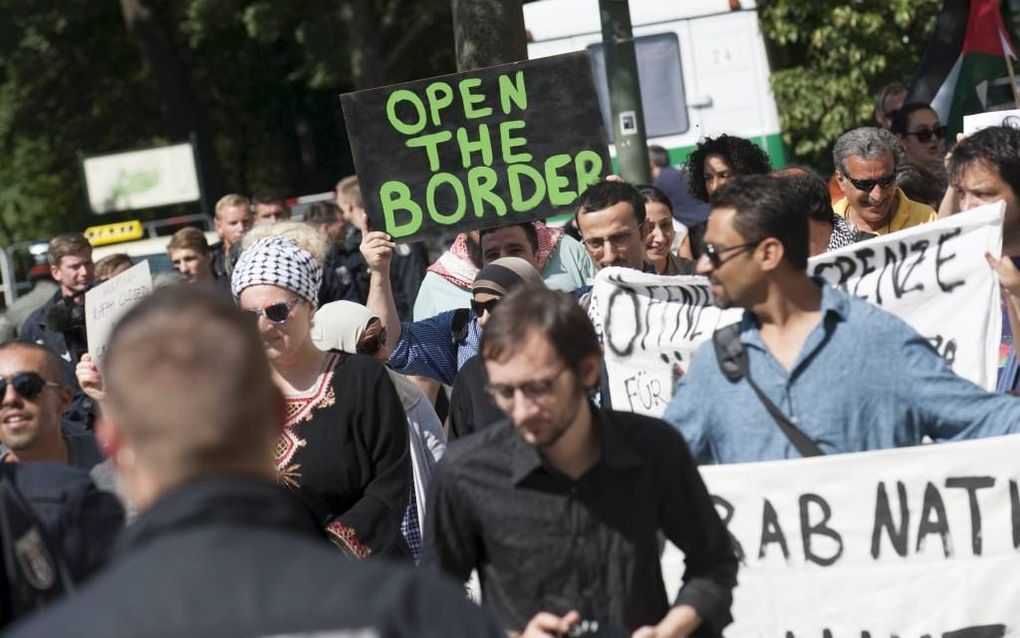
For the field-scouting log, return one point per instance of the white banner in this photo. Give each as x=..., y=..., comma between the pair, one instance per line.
x=910, y=542
x=105, y=304
x=934, y=277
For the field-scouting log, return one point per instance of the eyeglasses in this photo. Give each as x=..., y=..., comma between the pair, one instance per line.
x=868, y=185
x=924, y=135
x=618, y=240
x=535, y=390
x=27, y=384
x=277, y=313
x=714, y=253
x=481, y=307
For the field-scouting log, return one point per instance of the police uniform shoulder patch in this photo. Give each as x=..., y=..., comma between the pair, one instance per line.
x=35, y=560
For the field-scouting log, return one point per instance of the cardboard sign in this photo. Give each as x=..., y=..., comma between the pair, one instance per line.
x=974, y=123
x=105, y=304
x=911, y=542
x=495, y=146
x=934, y=277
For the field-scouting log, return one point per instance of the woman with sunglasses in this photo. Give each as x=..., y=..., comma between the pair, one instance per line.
x=921, y=134
x=343, y=449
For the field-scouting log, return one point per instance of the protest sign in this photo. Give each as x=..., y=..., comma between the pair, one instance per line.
x=934, y=277
x=911, y=542
x=105, y=304
x=501, y=145
x=974, y=123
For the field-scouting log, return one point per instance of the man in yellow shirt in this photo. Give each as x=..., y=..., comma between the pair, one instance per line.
x=866, y=160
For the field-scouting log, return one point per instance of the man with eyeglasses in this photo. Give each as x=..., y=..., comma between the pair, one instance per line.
x=558, y=505
x=611, y=219
x=866, y=159
x=844, y=373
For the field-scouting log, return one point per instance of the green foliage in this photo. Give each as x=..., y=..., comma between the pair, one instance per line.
x=830, y=57
x=265, y=74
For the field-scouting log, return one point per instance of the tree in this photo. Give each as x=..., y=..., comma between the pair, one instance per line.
x=830, y=57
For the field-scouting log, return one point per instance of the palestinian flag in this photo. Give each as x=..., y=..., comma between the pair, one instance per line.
x=964, y=69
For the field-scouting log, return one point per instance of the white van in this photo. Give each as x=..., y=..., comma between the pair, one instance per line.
x=702, y=67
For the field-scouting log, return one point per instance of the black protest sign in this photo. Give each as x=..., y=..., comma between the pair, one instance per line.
x=495, y=146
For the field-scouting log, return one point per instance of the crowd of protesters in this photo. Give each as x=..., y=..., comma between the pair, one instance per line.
x=271, y=422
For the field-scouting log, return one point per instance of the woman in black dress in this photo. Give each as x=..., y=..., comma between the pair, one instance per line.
x=343, y=449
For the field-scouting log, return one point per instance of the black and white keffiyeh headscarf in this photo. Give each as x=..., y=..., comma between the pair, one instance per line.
x=278, y=261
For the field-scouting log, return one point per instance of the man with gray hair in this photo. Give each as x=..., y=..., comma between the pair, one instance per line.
x=866, y=159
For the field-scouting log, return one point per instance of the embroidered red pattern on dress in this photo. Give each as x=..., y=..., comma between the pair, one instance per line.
x=347, y=540
x=300, y=409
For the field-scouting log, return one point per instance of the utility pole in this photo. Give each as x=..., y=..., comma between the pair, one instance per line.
x=488, y=32
x=628, y=118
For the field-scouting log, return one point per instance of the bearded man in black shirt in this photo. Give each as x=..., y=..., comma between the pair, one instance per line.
x=558, y=506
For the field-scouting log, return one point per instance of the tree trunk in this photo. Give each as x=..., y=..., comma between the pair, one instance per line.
x=363, y=43
x=488, y=32
x=182, y=114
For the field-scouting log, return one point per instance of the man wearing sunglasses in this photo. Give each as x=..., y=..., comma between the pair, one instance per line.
x=922, y=135
x=34, y=395
x=557, y=505
x=866, y=159
x=847, y=375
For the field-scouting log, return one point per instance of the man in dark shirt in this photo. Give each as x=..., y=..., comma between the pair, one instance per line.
x=34, y=395
x=190, y=419
x=558, y=507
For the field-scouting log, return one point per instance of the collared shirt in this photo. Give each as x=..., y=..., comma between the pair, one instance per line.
x=543, y=542
x=429, y=348
x=906, y=214
x=864, y=380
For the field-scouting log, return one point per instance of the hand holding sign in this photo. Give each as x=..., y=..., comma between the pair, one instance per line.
x=377, y=249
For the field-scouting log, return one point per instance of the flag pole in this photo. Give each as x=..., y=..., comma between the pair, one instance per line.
x=1012, y=80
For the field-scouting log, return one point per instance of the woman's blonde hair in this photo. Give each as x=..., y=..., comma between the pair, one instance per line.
x=306, y=237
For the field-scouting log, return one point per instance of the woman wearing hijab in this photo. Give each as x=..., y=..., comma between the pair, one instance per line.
x=351, y=327
x=344, y=445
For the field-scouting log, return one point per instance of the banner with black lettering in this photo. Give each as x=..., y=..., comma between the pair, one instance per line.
x=910, y=542
x=934, y=277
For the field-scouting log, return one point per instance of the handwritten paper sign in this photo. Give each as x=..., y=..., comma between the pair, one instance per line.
x=105, y=304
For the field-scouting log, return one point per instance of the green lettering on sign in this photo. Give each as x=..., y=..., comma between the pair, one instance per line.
x=440, y=96
x=391, y=112
x=483, y=145
x=396, y=196
x=481, y=181
x=588, y=166
x=512, y=91
x=507, y=142
x=555, y=183
x=431, y=144
x=430, y=199
x=518, y=201
x=470, y=99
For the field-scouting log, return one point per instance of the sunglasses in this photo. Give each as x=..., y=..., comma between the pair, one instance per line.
x=28, y=385
x=277, y=313
x=715, y=253
x=924, y=135
x=867, y=185
x=481, y=307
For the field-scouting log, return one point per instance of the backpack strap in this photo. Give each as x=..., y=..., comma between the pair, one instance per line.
x=732, y=356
